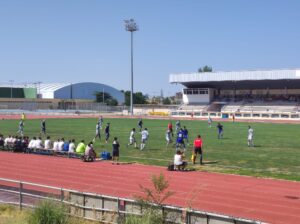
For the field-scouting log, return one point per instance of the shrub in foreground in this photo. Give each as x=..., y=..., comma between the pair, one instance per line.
x=48, y=212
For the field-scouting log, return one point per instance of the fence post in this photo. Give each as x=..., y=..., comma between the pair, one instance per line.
x=20, y=195
x=61, y=195
x=83, y=213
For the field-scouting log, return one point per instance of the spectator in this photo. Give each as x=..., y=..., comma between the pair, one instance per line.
x=80, y=147
x=48, y=143
x=39, y=143
x=55, y=145
x=31, y=145
x=61, y=144
x=72, y=147
x=178, y=161
x=89, y=154
x=1, y=141
x=66, y=146
x=7, y=141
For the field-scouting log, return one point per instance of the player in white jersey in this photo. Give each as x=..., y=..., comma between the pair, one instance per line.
x=98, y=127
x=132, y=139
x=168, y=137
x=250, y=136
x=145, y=136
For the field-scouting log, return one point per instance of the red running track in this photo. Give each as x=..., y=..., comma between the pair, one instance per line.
x=268, y=200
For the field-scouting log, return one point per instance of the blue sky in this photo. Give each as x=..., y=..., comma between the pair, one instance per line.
x=84, y=40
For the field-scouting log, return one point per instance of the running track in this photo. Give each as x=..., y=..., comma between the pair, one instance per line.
x=268, y=200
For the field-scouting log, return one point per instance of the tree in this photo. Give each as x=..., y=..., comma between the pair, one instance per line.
x=108, y=99
x=138, y=98
x=206, y=68
x=166, y=101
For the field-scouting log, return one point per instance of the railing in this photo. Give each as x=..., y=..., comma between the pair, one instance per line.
x=106, y=209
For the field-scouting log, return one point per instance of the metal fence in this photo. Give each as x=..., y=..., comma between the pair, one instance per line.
x=102, y=208
x=59, y=105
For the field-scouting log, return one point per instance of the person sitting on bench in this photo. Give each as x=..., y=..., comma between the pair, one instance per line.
x=179, y=164
x=89, y=154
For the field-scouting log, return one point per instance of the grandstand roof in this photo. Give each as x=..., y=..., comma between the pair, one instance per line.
x=244, y=79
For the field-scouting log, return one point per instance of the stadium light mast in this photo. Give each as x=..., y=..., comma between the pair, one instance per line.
x=131, y=26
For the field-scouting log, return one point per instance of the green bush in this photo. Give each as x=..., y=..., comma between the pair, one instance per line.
x=150, y=216
x=48, y=212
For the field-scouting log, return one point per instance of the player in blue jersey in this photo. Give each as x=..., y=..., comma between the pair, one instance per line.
x=180, y=140
x=185, y=135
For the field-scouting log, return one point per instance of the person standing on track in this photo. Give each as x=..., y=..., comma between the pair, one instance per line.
x=116, y=151
x=198, y=147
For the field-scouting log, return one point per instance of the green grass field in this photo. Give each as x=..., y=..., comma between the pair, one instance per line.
x=276, y=155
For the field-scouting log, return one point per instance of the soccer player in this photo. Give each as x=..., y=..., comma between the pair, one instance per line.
x=107, y=132
x=23, y=117
x=168, y=137
x=220, y=130
x=97, y=132
x=170, y=128
x=250, y=136
x=198, y=145
x=145, y=136
x=21, y=128
x=233, y=118
x=209, y=122
x=186, y=135
x=132, y=139
x=140, y=124
x=43, y=127
x=180, y=140
x=178, y=126
x=100, y=122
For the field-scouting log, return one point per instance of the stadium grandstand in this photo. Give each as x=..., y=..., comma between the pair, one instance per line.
x=268, y=94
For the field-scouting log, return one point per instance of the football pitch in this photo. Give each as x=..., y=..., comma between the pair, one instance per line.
x=276, y=153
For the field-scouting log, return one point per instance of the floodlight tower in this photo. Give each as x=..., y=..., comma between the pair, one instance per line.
x=131, y=26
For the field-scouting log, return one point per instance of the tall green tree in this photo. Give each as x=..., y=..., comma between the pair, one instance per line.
x=107, y=99
x=138, y=98
x=205, y=68
x=166, y=101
